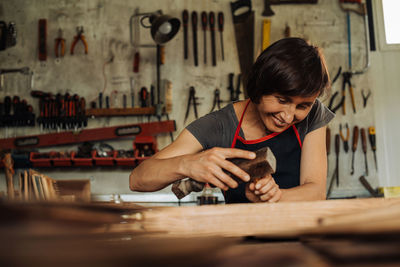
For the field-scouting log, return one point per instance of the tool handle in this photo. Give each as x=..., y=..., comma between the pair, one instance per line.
x=136, y=62
x=211, y=19
x=355, y=138
x=363, y=140
x=194, y=20
x=328, y=140
x=204, y=20
x=185, y=18
x=372, y=139
x=337, y=144
x=220, y=21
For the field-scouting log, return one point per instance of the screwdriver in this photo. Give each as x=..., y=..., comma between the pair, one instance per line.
x=185, y=19
x=328, y=141
x=354, y=147
x=204, y=27
x=372, y=141
x=194, y=29
x=144, y=95
x=337, y=150
x=364, y=148
x=211, y=19
x=221, y=29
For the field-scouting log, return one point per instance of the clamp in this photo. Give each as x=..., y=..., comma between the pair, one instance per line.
x=79, y=36
x=345, y=139
x=234, y=93
x=192, y=101
x=59, y=47
x=217, y=100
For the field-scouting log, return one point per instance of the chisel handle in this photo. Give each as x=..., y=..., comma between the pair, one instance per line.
x=355, y=138
x=363, y=140
x=337, y=144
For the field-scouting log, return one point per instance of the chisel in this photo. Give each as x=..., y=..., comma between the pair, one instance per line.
x=185, y=19
x=364, y=148
x=354, y=147
x=194, y=29
x=221, y=29
x=211, y=20
x=337, y=150
x=204, y=27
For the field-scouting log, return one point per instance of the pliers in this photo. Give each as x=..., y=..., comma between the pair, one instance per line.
x=192, y=101
x=347, y=80
x=345, y=139
x=217, y=100
x=79, y=36
x=59, y=47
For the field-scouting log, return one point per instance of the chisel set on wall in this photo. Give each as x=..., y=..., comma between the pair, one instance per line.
x=208, y=22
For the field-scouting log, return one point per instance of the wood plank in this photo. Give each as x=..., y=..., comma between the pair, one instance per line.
x=286, y=219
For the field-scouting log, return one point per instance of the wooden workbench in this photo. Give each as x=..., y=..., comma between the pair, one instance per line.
x=357, y=232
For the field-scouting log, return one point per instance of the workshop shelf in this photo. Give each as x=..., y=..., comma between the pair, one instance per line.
x=63, y=161
x=109, y=160
x=81, y=162
x=41, y=159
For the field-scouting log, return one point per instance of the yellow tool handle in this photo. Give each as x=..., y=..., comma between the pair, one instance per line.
x=266, y=33
x=353, y=103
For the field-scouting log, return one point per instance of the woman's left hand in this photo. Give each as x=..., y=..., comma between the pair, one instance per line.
x=264, y=190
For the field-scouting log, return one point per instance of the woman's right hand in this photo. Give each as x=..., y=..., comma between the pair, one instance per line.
x=207, y=166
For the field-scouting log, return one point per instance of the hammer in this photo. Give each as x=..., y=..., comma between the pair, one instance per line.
x=264, y=163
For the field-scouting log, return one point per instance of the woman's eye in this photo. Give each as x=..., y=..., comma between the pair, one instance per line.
x=282, y=101
x=302, y=107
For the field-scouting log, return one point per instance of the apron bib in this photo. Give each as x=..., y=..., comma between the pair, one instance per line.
x=286, y=147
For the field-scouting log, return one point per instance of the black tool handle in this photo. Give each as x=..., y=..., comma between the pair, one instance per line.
x=185, y=19
x=328, y=140
x=220, y=21
x=230, y=86
x=204, y=20
x=242, y=5
x=337, y=150
x=211, y=20
x=194, y=29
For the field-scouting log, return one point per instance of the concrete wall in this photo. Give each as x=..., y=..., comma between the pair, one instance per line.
x=106, y=25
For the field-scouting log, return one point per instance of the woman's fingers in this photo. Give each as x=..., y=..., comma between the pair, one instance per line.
x=235, y=170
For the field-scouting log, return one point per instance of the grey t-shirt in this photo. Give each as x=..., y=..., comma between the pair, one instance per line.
x=217, y=129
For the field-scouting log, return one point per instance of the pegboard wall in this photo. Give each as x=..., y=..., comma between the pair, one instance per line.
x=108, y=67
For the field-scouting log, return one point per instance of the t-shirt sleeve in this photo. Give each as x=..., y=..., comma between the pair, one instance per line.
x=207, y=130
x=319, y=116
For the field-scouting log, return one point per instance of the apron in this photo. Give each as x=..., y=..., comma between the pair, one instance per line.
x=286, y=147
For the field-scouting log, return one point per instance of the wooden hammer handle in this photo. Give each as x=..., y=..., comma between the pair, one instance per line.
x=9, y=171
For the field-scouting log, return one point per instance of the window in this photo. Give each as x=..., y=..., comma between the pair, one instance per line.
x=388, y=22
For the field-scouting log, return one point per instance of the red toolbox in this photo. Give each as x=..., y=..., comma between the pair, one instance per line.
x=107, y=160
x=144, y=147
x=62, y=159
x=41, y=159
x=81, y=162
x=125, y=158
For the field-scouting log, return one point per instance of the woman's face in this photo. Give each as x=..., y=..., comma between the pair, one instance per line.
x=278, y=112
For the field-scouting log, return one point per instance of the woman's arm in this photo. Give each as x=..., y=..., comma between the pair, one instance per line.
x=313, y=169
x=185, y=158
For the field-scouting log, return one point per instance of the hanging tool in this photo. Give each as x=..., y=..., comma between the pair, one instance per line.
x=267, y=5
x=193, y=100
x=266, y=30
x=364, y=148
x=339, y=105
x=135, y=39
x=221, y=29
x=42, y=39
x=204, y=27
x=360, y=9
x=347, y=80
x=194, y=30
x=211, y=20
x=79, y=36
x=365, y=97
x=244, y=34
x=132, y=84
x=185, y=20
x=345, y=139
x=335, y=175
x=217, y=100
x=372, y=141
x=59, y=47
x=144, y=97
x=354, y=147
x=328, y=141
x=234, y=93
x=367, y=185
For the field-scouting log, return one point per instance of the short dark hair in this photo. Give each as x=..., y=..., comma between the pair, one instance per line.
x=289, y=67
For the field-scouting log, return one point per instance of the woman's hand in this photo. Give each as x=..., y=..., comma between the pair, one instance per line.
x=264, y=190
x=207, y=166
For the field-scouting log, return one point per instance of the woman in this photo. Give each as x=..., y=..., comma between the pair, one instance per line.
x=282, y=112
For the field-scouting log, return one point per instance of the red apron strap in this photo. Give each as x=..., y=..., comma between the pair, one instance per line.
x=297, y=135
x=239, y=125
